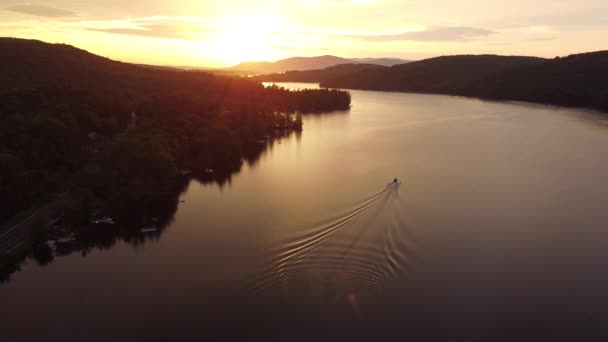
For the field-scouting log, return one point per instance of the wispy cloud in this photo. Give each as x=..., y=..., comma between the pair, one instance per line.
x=41, y=11
x=188, y=28
x=439, y=34
x=337, y=3
x=145, y=32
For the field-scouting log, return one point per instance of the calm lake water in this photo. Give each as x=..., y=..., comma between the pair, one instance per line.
x=498, y=230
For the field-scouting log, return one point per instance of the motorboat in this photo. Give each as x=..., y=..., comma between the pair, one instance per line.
x=107, y=220
x=104, y=220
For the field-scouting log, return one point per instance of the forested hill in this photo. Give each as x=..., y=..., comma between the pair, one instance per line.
x=577, y=80
x=317, y=76
x=29, y=64
x=120, y=131
x=34, y=65
x=436, y=75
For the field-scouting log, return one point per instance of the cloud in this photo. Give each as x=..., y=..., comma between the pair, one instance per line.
x=342, y=3
x=337, y=3
x=541, y=39
x=153, y=31
x=439, y=34
x=299, y=48
x=159, y=27
x=41, y=11
x=144, y=32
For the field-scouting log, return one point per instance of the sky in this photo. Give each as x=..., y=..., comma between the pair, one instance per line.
x=223, y=33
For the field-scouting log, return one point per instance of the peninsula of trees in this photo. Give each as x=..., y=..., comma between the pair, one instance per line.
x=120, y=132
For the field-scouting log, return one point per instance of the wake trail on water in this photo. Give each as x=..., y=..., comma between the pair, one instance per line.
x=360, y=249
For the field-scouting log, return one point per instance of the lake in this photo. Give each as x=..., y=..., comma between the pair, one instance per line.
x=497, y=230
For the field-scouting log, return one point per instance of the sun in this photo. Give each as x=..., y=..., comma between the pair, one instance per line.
x=248, y=38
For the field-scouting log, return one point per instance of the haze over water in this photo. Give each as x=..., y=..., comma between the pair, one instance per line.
x=497, y=229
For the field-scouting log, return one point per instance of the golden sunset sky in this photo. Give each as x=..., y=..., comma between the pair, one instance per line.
x=225, y=32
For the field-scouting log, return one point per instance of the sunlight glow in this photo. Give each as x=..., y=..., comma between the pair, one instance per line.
x=221, y=34
x=245, y=38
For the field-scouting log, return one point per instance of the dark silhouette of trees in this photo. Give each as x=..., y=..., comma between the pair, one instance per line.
x=66, y=117
x=125, y=138
x=576, y=80
x=449, y=74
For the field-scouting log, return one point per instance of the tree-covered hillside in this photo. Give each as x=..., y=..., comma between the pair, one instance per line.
x=577, y=80
x=70, y=119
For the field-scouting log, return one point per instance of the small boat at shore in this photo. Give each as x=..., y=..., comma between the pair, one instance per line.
x=66, y=239
x=149, y=229
x=107, y=220
x=104, y=220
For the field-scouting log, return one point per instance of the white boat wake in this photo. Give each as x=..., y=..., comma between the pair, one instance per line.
x=358, y=250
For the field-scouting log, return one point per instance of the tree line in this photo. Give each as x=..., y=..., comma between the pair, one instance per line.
x=66, y=116
x=576, y=80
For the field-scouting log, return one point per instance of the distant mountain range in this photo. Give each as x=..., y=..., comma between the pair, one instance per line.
x=319, y=75
x=309, y=63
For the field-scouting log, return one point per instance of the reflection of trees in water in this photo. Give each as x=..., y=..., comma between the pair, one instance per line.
x=104, y=236
x=134, y=217
x=252, y=154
